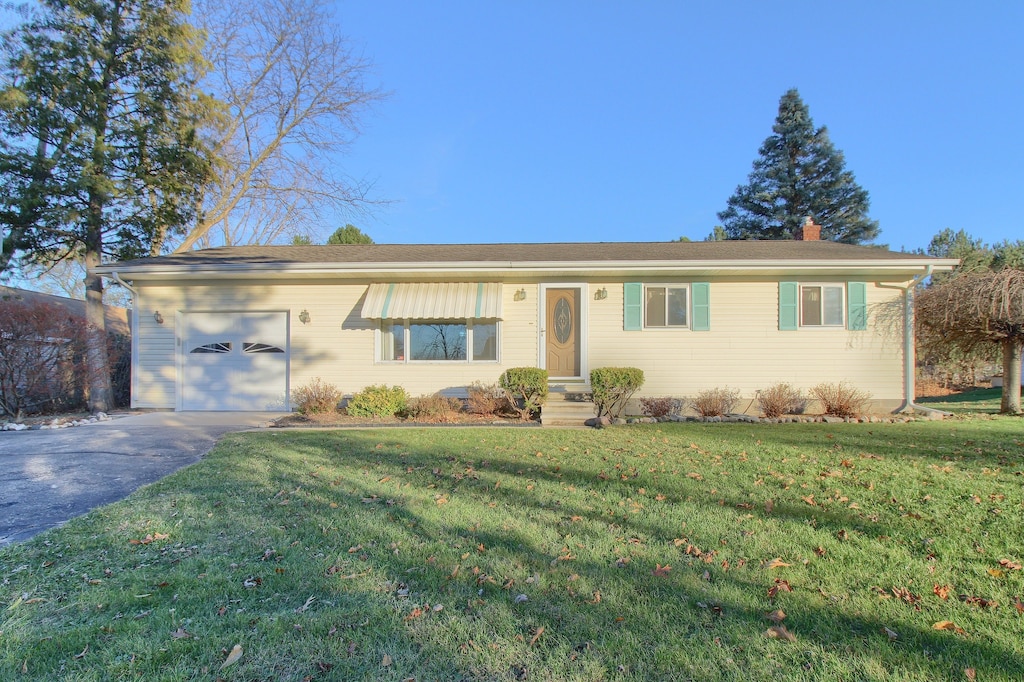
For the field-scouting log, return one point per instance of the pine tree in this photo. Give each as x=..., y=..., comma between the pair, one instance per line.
x=799, y=173
x=98, y=143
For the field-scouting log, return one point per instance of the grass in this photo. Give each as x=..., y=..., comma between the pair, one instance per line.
x=982, y=400
x=638, y=553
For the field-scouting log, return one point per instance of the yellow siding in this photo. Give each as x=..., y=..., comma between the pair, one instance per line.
x=744, y=348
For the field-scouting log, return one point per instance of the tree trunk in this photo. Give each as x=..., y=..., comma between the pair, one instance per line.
x=1013, y=350
x=96, y=361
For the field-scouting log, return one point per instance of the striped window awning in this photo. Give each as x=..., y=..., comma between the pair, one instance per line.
x=433, y=301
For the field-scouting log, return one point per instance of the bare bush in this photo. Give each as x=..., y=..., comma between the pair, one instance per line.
x=779, y=399
x=715, y=402
x=42, y=358
x=316, y=397
x=660, y=407
x=436, y=408
x=486, y=399
x=841, y=400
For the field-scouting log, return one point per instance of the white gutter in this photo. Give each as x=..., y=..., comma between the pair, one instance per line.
x=909, y=366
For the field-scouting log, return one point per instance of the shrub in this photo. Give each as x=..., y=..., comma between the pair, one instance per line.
x=613, y=387
x=316, y=397
x=485, y=399
x=715, y=402
x=779, y=399
x=841, y=400
x=526, y=388
x=378, y=401
x=435, y=408
x=660, y=407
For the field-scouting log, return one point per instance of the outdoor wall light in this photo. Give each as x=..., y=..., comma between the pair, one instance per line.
x=601, y=294
x=158, y=317
x=520, y=295
x=304, y=317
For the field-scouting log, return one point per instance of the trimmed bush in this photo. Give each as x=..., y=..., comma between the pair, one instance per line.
x=526, y=389
x=613, y=387
x=436, y=408
x=378, y=401
x=660, y=407
x=485, y=399
x=715, y=402
x=779, y=399
x=316, y=397
x=840, y=400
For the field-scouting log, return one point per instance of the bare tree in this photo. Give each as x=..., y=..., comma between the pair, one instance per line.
x=973, y=309
x=293, y=91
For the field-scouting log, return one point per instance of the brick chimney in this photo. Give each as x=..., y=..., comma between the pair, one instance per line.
x=809, y=231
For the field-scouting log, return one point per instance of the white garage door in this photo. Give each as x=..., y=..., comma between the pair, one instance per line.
x=235, y=361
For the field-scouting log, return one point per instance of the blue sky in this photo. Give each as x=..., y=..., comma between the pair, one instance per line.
x=618, y=121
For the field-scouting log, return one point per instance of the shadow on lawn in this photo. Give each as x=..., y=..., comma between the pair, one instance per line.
x=578, y=625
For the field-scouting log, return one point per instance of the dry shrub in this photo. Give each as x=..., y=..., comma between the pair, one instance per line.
x=779, y=399
x=841, y=400
x=486, y=399
x=316, y=397
x=715, y=402
x=436, y=408
x=660, y=407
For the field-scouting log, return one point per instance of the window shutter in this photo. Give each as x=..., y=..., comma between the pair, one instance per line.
x=701, y=306
x=857, y=306
x=632, y=309
x=788, y=305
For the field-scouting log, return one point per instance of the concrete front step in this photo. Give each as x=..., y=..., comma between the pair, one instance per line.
x=564, y=412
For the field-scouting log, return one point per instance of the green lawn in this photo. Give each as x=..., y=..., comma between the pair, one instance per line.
x=648, y=552
x=982, y=400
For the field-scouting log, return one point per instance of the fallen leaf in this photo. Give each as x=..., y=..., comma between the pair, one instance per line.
x=536, y=636
x=1013, y=565
x=181, y=633
x=810, y=500
x=776, y=616
x=820, y=551
x=942, y=591
x=780, y=632
x=769, y=507
x=996, y=573
x=777, y=563
x=661, y=571
x=83, y=653
x=236, y=653
x=414, y=614
x=948, y=625
x=970, y=673
x=891, y=634
x=779, y=586
x=386, y=661
x=1019, y=605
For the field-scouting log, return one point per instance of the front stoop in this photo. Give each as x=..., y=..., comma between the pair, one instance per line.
x=567, y=406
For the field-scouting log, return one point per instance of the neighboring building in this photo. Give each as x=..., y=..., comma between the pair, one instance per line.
x=116, y=319
x=236, y=328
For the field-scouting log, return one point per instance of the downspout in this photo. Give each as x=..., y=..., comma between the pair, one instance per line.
x=133, y=328
x=909, y=370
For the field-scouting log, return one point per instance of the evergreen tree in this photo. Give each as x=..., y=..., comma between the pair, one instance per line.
x=350, y=234
x=799, y=173
x=98, y=149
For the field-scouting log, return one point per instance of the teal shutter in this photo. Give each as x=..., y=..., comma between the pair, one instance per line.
x=789, y=293
x=856, y=306
x=701, y=306
x=632, y=309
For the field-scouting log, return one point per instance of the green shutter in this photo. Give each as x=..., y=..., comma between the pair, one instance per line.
x=788, y=305
x=701, y=306
x=856, y=306
x=632, y=309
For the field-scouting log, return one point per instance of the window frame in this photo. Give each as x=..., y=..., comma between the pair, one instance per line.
x=384, y=337
x=686, y=286
x=843, y=312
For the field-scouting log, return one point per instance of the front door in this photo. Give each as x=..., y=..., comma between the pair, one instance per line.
x=562, y=334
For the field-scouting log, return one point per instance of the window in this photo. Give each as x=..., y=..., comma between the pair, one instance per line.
x=665, y=306
x=439, y=341
x=821, y=305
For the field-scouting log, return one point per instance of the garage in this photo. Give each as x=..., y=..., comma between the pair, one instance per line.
x=234, y=361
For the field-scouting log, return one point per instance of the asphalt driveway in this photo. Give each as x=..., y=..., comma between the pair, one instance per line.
x=50, y=476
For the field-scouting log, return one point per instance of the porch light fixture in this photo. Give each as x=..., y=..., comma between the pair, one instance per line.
x=520, y=295
x=158, y=317
x=601, y=294
x=304, y=317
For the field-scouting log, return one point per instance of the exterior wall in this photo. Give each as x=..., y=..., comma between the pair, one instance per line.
x=744, y=348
